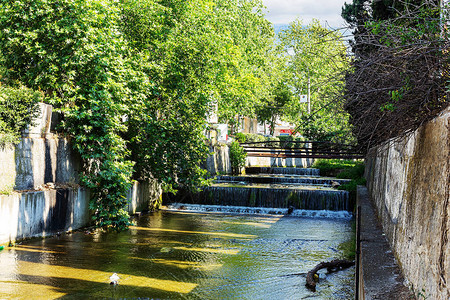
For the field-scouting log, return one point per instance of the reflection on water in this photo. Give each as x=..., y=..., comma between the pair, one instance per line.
x=171, y=255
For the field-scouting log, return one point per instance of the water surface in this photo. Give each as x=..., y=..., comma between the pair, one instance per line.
x=183, y=255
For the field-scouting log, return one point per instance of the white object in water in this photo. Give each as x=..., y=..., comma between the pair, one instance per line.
x=114, y=279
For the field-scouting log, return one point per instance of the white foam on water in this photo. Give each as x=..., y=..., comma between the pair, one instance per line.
x=328, y=214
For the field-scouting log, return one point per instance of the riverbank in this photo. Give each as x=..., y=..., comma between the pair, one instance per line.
x=381, y=277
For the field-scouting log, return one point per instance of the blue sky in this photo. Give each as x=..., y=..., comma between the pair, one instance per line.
x=282, y=12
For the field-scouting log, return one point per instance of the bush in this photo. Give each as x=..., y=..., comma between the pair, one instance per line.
x=237, y=157
x=18, y=106
x=240, y=137
x=251, y=137
x=332, y=167
x=343, y=169
x=356, y=172
x=351, y=186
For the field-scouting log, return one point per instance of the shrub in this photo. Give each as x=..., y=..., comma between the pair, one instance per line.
x=18, y=107
x=237, y=157
x=251, y=137
x=343, y=169
x=331, y=167
x=240, y=137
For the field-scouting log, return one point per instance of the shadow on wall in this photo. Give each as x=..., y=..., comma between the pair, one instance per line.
x=47, y=212
x=42, y=160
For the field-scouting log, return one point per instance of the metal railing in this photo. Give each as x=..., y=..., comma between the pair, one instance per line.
x=302, y=149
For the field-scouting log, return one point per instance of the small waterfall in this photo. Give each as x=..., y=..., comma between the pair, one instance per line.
x=280, y=170
x=304, y=180
x=311, y=199
x=295, y=188
x=261, y=210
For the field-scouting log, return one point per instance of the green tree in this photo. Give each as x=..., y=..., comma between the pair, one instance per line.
x=317, y=56
x=237, y=157
x=204, y=52
x=18, y=106
x=73, y=52
x=275, y=106
x=136, y=79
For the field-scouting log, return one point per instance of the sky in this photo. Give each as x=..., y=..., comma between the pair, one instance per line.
x=282, y=12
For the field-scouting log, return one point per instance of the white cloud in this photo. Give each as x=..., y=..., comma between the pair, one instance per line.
x=286, y=11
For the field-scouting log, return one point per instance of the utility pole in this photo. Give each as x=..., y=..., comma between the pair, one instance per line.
x=309, y=94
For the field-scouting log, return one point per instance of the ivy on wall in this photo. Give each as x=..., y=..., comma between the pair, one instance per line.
x=134, y=80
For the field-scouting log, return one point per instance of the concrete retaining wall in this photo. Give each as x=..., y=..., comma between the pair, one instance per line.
x=29, y=207
x=219, y=161
x=409, y=182
x=42, y=213
x=36, y=161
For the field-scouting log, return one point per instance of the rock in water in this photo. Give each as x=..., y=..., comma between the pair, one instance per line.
x=290, y=210
x=335, y=184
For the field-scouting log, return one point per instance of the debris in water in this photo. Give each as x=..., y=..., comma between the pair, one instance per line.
x=335, y=184
x=165, y=249
x=332, y=266
x=290, y=210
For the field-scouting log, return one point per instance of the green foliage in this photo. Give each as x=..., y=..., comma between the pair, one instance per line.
x=325, y=165
x=73, y=52
x=251, y=137
x=276, y=104
x=18, y=106
x=354, y=172
x=7, y=190
x=325, y=126
x=343, y=169
x=320, y=57
x=7, y=136
x=237, y=157
x=398, y=80
x=240, y=137
x=348, y=248
x=135, y=81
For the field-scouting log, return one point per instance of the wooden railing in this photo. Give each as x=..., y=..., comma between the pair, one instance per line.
x=301, y=149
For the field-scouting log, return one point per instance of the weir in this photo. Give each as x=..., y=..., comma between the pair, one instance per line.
x=280, y=188
x=281, y=170
x=281, y=179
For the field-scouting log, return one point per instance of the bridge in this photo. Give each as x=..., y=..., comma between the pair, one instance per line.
x=302, y=149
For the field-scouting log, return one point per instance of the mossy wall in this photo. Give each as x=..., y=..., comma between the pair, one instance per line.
x=409, y=181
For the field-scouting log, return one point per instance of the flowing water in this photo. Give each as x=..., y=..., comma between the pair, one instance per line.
x=282, y=179
x=298, y=188
x=184, y=255
x=282, y=170
x=247, y=237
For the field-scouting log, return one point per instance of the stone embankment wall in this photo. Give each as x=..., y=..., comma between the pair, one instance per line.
x=219, y=161
x=409, y=181
x=39, y=191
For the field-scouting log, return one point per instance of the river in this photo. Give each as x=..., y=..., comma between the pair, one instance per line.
x=174, y=254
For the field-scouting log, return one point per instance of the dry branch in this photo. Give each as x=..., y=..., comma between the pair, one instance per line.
x=332, y=266
x=400, y=76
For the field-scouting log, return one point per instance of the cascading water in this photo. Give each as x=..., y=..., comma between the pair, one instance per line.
x=304, y=213
x=281, y=179
x=294, y=188
x=280, y=170
x=259, y=242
